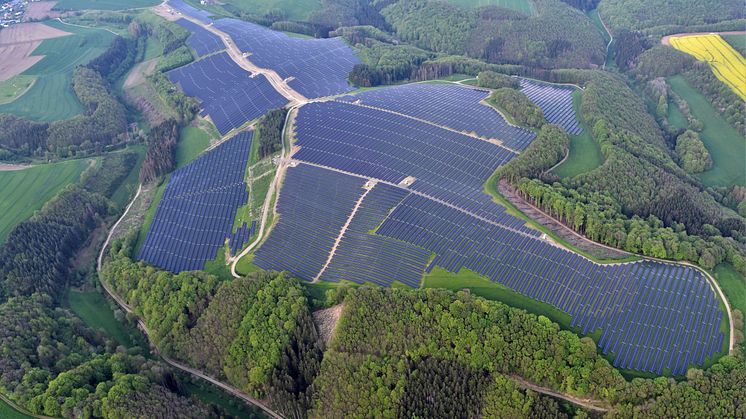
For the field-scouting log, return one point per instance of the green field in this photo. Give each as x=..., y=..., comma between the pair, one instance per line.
x=96, y=312
x=585, y=153
x=738, y=42
x=8, y=412
x=676, y=118
x=523, y=6
x=733, y=285
x=192, y=142
x=104, y=4
x=24, y=191
x=14, y=87
x=726, y=146
x=51, y=97
x=150, y=213
x=293, y=9
x=210, y=394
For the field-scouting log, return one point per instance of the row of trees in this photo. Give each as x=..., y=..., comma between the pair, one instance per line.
x=160, y=157
x=548, y=148
x=269, y=130
x=517, y=107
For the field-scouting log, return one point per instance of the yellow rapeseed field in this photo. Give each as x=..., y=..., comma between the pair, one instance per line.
x=727, y=64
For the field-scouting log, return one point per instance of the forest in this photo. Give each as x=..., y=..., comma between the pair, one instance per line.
x=664, y=14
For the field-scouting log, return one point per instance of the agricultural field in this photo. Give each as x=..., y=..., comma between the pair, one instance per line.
x=51, y=97
x=18, y=43
x=727, y=147
x=41, y=10
x=14, y=87
x=104, y=4
x=24, y=191
x=523, y=6
x=8, y=412
x=727, y=63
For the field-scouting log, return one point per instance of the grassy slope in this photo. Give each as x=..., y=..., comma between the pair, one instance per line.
x=733, y=285
x=14, y=87
x=523, y=6
x=96, y=312
x=676, y=118
x=294, y=9
x=104, y=4
x=25, y=191
x=585, y=153
x=51, y=97
x=192, y=142
x=7, y=412
x=726, y=146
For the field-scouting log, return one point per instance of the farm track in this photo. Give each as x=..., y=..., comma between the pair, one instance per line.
x=141, y=324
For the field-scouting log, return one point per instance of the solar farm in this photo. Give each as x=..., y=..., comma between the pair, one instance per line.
x=555, y=102
x=384, y=185
x=313, y=67
x=230, y=95
x=182, y=7
x=195, y=215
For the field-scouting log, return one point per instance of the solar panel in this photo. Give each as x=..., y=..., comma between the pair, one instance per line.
x=454, y=106
x=313, y=67
x=195, y=215
x=202, y=41
x=230, y=95
x=184, y=8
x=556, y=103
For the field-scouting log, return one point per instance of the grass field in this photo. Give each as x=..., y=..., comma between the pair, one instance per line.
x=24, y=191
x=124, y=193
x=149, y=214
x=523, y=6
x=104, y=4
x=293, y=9
x=676, y=118
x=738, y=42
x=14, y=87
x=51, y=97
x=733, y=285
x=725, y=62
x=209, y=394
x=726, y=146
x=192, y=142
x=8, y=412
x=585, y=153
x=96, y=312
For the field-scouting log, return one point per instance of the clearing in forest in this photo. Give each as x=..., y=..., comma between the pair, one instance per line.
x=726, y=63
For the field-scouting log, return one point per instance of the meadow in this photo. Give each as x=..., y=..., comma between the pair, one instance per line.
x=726, y=63
x=24, y=191
x=14, y=87
x=585, y=153
x=726, y=146
x=96, y=312
x=51, y=97
x=523, y=6
x=8, y=412
x=192, y=142
x=104, y=4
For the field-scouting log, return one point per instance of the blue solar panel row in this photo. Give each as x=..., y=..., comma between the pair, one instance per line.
x=448, y=166
x=555, y=102
x=363, y=257
x=186, y=9
x=318, y=67
x=450, y=105
x=196, y=213
x=202, y=41
x=653, y=315
x=230, y=95
x=314, y=204
x=240, y=238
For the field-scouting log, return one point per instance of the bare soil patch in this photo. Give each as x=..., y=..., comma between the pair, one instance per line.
x=41, y=10
x=326, y=321
x=139, y=72
x=13, y=167
x=597, y=250
x=18, y=42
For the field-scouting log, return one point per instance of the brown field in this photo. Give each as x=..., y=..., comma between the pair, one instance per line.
x=40, y=10
x=18, y=42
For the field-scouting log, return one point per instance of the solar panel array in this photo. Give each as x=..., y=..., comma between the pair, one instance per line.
x=196, y=213
x=318, y=67
x=555, y=102
x=362, y=257
x=202, y=41
x=653, y=315
x=230, y=95
x=450, y=105
x=186, y=9
x=313, y=205
x=448, y=166
x=241, y=236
